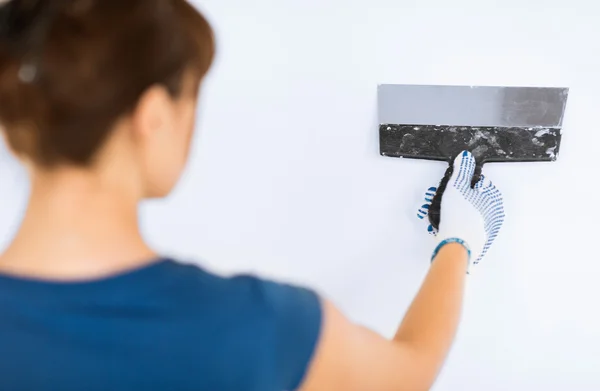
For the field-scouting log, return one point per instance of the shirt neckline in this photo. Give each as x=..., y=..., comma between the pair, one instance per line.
x=138, y=274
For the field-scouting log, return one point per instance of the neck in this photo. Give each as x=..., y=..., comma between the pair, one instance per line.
x=78, y=225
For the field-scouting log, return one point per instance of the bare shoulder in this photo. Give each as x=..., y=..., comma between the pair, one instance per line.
x=354, y=358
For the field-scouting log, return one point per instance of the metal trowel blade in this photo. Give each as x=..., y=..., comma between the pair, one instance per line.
x=497, y=124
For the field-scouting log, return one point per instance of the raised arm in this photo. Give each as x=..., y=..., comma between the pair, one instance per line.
x=350, y=357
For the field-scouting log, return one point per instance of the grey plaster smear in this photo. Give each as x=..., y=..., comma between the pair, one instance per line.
x=496, y=124
x=488, y=144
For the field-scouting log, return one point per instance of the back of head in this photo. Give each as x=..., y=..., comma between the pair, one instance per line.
x=70, y=69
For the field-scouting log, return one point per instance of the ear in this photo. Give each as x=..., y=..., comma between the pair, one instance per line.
x=3, y=136
x=154, y=113
x=9, y=147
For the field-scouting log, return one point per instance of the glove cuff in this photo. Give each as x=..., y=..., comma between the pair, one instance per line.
x=451, y=240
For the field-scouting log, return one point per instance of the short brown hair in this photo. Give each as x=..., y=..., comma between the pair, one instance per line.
x=93, y=59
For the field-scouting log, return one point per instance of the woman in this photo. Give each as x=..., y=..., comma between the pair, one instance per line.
x=97, y=99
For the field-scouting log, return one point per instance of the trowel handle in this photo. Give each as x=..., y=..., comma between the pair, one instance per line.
x=436, y=204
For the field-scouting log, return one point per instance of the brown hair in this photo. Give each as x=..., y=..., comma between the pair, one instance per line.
x=69, y=69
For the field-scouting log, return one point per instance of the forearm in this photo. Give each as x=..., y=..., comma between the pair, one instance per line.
x=345, y=360
x=412, y=360
x=430, y=324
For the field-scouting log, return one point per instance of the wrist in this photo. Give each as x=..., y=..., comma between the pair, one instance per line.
x=454, y=246
x=455, y=254
x=454, y=249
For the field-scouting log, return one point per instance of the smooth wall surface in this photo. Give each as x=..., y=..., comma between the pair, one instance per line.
x=286, y=179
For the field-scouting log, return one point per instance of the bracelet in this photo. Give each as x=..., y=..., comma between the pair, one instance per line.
x=451, y=240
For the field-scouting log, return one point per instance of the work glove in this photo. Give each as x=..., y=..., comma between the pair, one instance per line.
x=471, y=216
x=423, y=211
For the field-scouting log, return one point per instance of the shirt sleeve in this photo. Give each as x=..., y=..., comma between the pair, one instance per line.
x=297, y=318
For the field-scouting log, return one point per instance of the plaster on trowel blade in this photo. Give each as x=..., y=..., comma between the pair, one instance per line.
x=497, y=124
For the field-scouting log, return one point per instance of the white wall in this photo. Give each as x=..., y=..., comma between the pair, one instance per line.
x=286, y=179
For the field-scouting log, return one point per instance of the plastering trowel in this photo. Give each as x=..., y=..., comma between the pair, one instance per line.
x=497, y=124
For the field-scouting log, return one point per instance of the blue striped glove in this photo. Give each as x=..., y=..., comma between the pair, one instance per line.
x=470, y=216
x=423, y=211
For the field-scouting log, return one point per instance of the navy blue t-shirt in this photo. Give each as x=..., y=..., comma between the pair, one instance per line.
x=167, y=326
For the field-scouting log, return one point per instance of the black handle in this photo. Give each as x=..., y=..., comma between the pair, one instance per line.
x=436, y=205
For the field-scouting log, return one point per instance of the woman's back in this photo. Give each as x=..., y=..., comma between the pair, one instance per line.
x=166, y=326
x=98, y=100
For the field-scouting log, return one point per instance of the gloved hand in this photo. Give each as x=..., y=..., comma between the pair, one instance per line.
x=423, y=211
x=470, y=216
